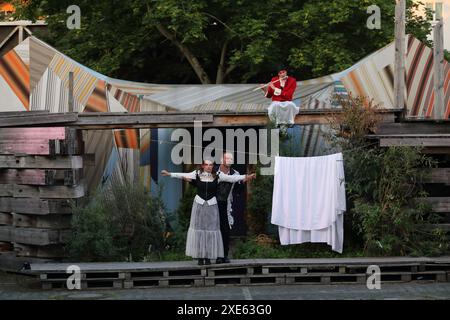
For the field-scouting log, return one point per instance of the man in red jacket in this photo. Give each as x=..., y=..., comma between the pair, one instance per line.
x=281, y=89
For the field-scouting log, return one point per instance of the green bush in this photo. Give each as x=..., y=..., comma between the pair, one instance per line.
x=176, y=241
x=260, y=204
x=121, y=222
x=384, y=187
x=251, y=248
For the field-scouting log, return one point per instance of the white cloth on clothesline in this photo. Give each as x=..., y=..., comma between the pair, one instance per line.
x=309, y=199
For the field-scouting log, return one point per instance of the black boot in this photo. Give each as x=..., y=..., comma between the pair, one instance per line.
x=201, y=262
x=207, y=262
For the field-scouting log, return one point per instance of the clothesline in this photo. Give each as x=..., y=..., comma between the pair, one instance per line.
x=161, y=141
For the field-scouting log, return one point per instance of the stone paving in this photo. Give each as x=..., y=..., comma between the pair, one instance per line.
x=18, y=287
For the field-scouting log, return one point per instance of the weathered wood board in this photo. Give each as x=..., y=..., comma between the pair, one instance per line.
x=35, y=206
x=44, y=162
x=49, y=192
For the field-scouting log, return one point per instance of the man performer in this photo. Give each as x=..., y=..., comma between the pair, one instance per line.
x=281, y=89
x=225, y=201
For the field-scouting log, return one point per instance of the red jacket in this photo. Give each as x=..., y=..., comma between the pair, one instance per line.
x=286, y=93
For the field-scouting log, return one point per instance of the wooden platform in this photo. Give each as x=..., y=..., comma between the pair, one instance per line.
x=114, y=120
x=243, y=272
x=431, y=134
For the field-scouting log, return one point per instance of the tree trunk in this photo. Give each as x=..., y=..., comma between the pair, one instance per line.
x=193, y=61
x=221, y=67
x=222, y=73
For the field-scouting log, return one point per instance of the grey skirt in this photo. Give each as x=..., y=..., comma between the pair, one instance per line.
x=204, y=239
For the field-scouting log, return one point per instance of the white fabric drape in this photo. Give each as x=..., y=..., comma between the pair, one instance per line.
x=282, y=112
x=309, y=200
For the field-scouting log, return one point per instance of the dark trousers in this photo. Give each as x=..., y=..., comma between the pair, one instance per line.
x=224, y=226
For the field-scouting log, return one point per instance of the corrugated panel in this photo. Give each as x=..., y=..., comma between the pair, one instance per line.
x=371, y=79
x=101, y=143
x=238, y=97
x=137, y=87
x=226, y=106
x=97, y=101
x=83, y=81
x=40, y=58
x=152, y=106
x=23, y=51
x=17, y=75
x=186, y=97
x=420, y=82
x=51, y=94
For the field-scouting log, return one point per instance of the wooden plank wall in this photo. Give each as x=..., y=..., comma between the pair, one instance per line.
x=41, y=174
x=434, y=136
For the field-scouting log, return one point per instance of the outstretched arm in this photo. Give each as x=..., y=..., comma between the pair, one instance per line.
x=188, y=176
x=236, y=177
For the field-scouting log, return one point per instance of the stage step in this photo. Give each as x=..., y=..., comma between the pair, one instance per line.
x=243, y=272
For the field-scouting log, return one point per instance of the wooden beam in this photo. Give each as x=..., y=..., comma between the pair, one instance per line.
x=440, y=175
x=43, y=162
x=137, y=120
x=32, y=147
x=6, y=114
x=27, y=176
x=6, y=246
x=5, y=233
x=55, y=133
x=8, y=37
x=440, y=141
x=70, y=91
x=73, y=143
x=116, y=120
x=442, y=226
x=400, y=55
x=47, y=192
x=439, y=204
x=45, y=222
x=35, y=206
x=49, y=251
x=6, y=219
x=36, y=236
x=438, y=66
x=423, y=128
x=436, y=150
x=73, y=177
x=20, y=34
x=50, y=119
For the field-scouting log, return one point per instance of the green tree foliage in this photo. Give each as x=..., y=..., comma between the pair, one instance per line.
x=219, y=41
x=119, y=223
x=177, y=240
x=260, y=204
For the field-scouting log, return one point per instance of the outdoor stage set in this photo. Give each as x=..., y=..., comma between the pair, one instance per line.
x=65, y=129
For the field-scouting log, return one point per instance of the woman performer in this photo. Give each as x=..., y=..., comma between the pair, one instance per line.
x=204, y=240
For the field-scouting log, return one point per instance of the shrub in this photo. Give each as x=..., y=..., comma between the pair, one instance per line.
x=383, y=186
x=121, y=222
x=260, y=203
